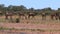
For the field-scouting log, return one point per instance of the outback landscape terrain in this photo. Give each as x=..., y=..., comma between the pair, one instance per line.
x=30, y=26
x=29, y=17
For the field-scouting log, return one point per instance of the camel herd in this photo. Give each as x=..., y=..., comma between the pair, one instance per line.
x=27, y=16
x=56, y=16
x=53, y=15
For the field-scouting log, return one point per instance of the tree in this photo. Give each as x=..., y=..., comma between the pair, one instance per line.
x=58, y=10
x=1, y=7
x=31, y=9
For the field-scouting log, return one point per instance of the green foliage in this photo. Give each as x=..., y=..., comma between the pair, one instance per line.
x=22, y=8
x=2, y=28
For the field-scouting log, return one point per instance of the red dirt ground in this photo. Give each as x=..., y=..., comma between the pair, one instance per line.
x=48, y=24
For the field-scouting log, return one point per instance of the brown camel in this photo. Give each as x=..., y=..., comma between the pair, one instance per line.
x=55, y=15
x=31, y=15
x=43, y=16
x=9, y=15
x=21, y=14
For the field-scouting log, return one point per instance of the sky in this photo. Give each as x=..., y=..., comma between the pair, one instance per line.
x=37, y=4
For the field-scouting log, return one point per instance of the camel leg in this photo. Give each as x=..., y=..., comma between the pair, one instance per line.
x=59, y=17
x=52, y=17
x=6, y=17
x=25, y=17
x=56, y=17
x=28, y=17
x=32, y=16
x=11, y=19
x=43, y=17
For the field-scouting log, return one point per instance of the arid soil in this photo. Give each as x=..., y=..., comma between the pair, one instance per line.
x=34, y=23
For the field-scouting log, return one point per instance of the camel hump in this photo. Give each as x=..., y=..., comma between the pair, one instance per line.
x=43, y=13
x=7, y=13
x=30, y=13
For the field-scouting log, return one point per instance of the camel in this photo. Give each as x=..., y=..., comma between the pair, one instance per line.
x=31, y=15
x=55, y=15
x=43, y=16
x=21, y=14
x=8, y=15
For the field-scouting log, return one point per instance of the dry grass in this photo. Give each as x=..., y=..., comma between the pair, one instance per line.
x=31, y=26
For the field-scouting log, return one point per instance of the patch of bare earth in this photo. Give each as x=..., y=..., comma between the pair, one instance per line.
x=35, y=23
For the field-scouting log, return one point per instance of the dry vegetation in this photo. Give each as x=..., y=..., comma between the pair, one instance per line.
x=30, y=26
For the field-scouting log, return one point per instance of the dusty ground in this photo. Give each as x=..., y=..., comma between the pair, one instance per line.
x=35, y=23
x=28, y=32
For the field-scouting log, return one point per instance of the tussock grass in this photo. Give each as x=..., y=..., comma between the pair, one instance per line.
x=40, y=30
